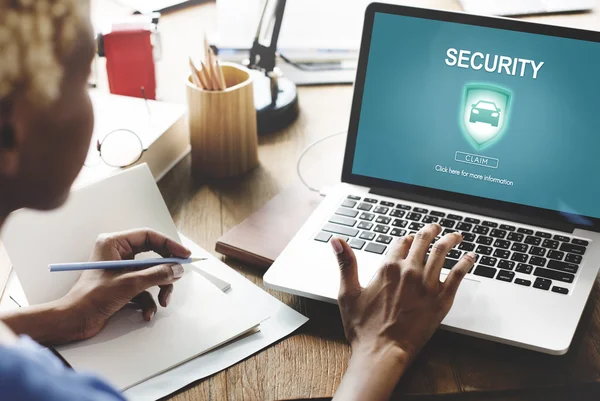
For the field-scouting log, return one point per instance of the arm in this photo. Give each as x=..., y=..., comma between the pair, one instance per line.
x=388, y=322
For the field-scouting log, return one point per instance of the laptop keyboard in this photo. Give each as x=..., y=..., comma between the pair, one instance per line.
x=505, y=252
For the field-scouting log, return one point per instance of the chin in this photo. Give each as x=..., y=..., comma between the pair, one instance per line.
x=52, y=203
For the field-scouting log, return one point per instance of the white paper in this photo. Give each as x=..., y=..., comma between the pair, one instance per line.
x=283, y=321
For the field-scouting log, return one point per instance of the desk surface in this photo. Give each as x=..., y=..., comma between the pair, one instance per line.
x=309, y=364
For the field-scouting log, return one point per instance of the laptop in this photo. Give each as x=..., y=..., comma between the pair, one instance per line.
x=489, y=127
x=525, y=7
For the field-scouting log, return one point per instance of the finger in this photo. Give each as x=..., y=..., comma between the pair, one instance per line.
x=153, y=276
x=349, y=283
x=144, y=240
x=457, y=274
x=437, y=256
x=422, y=240
x=399, y=248
x=164, y=296
x=146, y=302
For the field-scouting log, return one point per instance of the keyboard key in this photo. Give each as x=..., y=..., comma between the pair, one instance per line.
x=563, y=267
x=573, y=258
x=349, y=203
x=335, y=229
x=487, y=261
x=403, y=207
x=437, y=214
x=397, y=213
x=556, y=255
x=537, y=261
x=472, y=220
x=580, y=242
x=416, y=226
x=561, y=238
x=364, y=225
x=485, y=240
x=454, y=254
x=484, y=250
x=542, y=284
x=454, y=217
x=356, y=243
x=554, y=275
x=342, y=211
x=386, y=203
x=375, y=248
x=369, y=236
x=505, y=275
x=502, y=244
x=525, y=231
x=447, y=223
x=323, y=237
x=506, y=264
x=420, y=210
x=507, y=227
x=365, y=206
x=462, y=226
x=515, y=237
x=485, y=271
x=449, y=263
x=384, y=239
x=519, y=248
x=466, y=246
x=345, y=221
x=383, y=220
x=560, y=290
x=342, y=237
x=448, y=231
x=543, y=234
x=524, y=268
x=381, y=210
x=468, y=237
x=501, y=253
x=489, y=224
x=481, y=230
x=570, y=248
x=519, y=257
x=354, y=197
x=551, y=244
x=520, y=281
x=371, y=200
x=537, y=251
x=400, y=223
x=398, y=232
x=533, y=240
x=381, y=229
x=414, y=216
x=367, y=216
x=498, y=233
x=430, y=219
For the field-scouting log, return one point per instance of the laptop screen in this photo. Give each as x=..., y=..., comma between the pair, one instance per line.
x=493, y=113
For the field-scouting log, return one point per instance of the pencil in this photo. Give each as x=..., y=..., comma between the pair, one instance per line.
x=121, y=264
x=221, y=76
x=213, y=70
x=205, y=73
x=195, y=75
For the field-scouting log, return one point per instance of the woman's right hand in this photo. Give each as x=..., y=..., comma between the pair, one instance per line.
x=388, y=322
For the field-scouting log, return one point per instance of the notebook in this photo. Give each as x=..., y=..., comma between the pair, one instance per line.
x=129, y=350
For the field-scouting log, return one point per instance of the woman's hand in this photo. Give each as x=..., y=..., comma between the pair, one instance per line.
x=98, y=294
x=388, y=322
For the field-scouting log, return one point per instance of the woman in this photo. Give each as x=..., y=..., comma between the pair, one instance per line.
x=46, y=124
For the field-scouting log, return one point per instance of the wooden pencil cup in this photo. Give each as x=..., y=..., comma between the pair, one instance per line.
x=223, y=131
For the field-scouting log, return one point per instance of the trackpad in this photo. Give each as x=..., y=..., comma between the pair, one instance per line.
x=462, y=309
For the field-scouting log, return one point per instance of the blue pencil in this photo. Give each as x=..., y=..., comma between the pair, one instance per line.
x=120, y=264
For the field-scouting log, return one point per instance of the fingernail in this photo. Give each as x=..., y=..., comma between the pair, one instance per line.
x=151, y=315
x=337, y=246
x=168, y=299
x=472, y=255
x=177, y=271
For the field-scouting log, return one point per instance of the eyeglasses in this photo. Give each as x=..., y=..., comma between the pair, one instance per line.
x=119, y=148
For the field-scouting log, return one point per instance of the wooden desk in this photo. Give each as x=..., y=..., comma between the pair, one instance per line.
x=309, y=364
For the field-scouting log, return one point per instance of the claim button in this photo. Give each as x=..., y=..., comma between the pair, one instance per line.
x=477, y=160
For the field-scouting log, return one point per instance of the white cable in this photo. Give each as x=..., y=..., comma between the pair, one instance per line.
x=305, y=151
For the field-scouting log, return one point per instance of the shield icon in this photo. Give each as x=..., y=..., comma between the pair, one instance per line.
x=485, y=113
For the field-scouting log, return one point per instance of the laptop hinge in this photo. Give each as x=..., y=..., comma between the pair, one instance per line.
x=469, y=208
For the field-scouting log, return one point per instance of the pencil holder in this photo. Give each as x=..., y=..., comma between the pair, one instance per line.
x=223, y=130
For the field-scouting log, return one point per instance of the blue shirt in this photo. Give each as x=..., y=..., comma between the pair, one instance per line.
x=30, y=372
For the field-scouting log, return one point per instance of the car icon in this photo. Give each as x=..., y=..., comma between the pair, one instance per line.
x=485, y=112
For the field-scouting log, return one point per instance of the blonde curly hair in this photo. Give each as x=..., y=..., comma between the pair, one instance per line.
x=36, y=36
